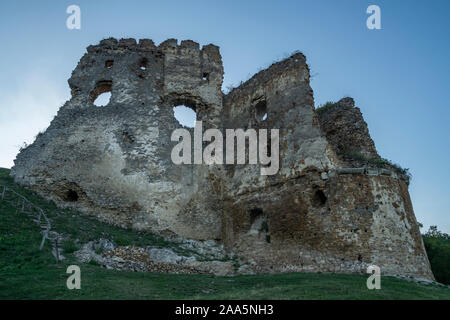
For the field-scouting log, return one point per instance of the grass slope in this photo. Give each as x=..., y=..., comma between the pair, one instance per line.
x=27, y=273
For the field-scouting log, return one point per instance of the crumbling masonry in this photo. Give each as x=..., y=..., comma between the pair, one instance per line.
x=324, y=211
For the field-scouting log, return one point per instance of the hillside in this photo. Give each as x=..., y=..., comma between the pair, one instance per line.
x=27, y=273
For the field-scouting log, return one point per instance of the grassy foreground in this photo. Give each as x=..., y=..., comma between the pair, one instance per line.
x=27, y=273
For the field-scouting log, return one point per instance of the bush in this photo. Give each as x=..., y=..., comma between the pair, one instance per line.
x=121, y=241
x=437, y=245
x=93, y=263
x=325, y=107
x=69, y=246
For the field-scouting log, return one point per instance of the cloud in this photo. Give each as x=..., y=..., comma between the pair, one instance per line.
x=26, y=110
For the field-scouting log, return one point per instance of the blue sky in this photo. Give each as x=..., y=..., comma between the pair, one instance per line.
x=398, y=75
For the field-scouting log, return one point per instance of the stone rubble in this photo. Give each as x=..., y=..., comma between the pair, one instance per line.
x=150, y=259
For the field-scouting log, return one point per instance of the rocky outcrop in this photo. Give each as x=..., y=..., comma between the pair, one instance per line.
x=319, y=212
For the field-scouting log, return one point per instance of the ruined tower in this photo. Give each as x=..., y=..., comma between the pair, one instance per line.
x=325, y=210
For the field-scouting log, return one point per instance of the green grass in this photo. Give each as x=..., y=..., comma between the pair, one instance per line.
x=27, y=273
x=86, y=228
x=69, y=246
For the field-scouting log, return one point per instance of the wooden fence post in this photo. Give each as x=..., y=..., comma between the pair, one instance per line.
x=56, y=250
x=43, y=240
x=27, y=204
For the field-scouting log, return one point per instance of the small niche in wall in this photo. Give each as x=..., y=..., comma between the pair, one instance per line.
x=255, y=213
x=319, y=198
x=127, y=137
x=71, y=196
x=109, y=63
x=143, y=64
x=261, y=110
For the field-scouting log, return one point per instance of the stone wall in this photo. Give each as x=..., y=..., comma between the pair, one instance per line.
x=345, y=129
x=285, y=91
x=315, y=215
x=320, y=212
x=114, y=161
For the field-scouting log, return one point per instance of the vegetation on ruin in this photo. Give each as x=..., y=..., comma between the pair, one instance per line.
x=27, y=273
x=326, y=106
x=377, y=162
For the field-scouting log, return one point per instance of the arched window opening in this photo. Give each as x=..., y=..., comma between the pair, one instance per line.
x=103, y=99
x=101, y=95
x=185, y=116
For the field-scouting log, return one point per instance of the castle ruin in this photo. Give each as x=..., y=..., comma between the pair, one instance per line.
x=325, y=210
